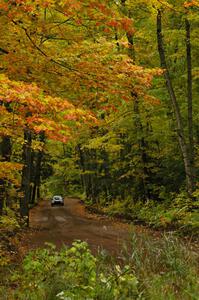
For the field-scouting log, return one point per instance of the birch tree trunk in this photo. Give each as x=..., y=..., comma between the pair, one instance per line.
x=179, y=125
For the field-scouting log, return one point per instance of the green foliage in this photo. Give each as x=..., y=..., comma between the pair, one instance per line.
x=120, y=208
x=9, y=221
x=72, y=273
x=108, y=142
x=9, y=227
x=150, y=269
x=65, y=176
x=178, y=212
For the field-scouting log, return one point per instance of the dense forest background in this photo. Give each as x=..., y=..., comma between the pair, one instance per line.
x=99, y=99
x=99, y=102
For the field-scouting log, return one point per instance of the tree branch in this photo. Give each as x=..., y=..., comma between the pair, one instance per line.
x=3, y=51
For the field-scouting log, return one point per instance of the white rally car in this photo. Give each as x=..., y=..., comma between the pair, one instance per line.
x=57, y=200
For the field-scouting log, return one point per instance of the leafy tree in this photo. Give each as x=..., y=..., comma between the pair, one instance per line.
x=87, y=75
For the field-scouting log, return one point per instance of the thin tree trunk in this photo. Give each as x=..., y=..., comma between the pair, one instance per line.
x=33, y=170
x=5, y=150
x=189, y=91
x=131, y=49
x=37, y=175
x=117, y=42
x=180, y=131
x=82, y=166
x=138, y=123
x=2, y=195
x=143, y=147
x=26, y=175
x=107, y=176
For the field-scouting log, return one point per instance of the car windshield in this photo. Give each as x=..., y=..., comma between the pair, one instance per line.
x=57, y=197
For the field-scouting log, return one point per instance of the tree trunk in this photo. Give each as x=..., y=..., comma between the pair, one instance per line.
x=138, y=123
x=143, y=147
x=180, y=131
x=33, y=170
x=189, y=92
x=5, y=150
x=37, y=173
x=82, y=167
x=26, y=175
x=2, y=195
x=131, y=48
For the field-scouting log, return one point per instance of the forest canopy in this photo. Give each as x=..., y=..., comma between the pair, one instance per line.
x=99, y=99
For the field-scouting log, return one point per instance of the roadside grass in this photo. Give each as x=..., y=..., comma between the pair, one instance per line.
x=165, y=268
x=147, y=269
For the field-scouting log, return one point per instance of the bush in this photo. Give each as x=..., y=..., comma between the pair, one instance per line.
x=71, y=274
x=178, y=213
x=149, y=269
x=9, y=226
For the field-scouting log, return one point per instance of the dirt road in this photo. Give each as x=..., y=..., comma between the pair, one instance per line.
x=61, y=225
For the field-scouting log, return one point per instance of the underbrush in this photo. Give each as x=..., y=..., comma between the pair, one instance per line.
x=178, y=213
x=148, y=269
x=11, y=233
x=9, y=227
